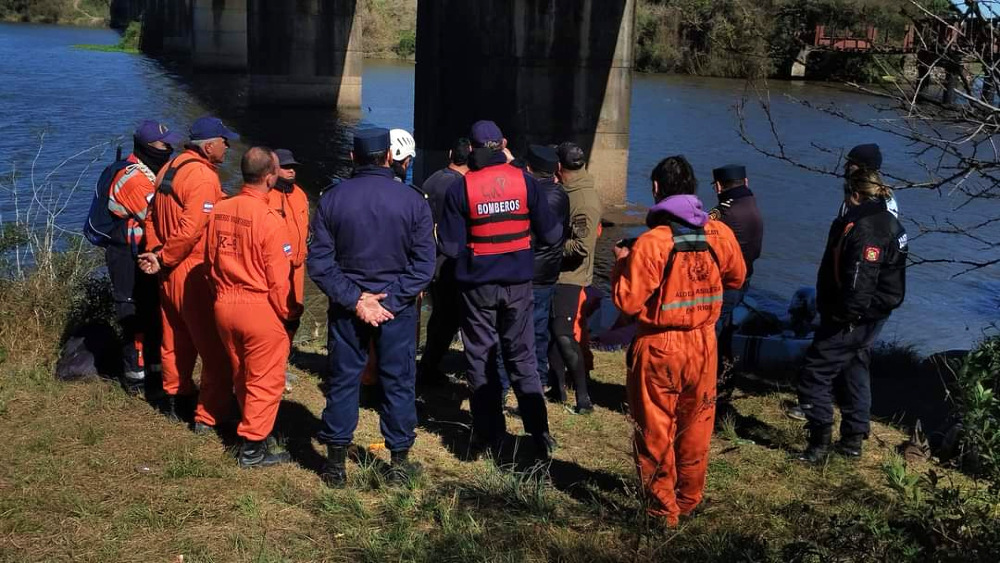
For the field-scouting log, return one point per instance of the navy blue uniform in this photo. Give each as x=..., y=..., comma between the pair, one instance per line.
x=371, y=234
x=861, y=280
x=498, y=309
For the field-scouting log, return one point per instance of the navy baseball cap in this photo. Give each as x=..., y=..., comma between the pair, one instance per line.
x=368, y=141
x=729, y=172
x=211, y=128
x=571, y=156
x=285, y=158
x=150, y=131
x=543, y=159
x=485, y=132
x=867, y=156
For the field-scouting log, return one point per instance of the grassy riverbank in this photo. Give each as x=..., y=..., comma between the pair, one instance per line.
x=93, y=475
x=91, y=13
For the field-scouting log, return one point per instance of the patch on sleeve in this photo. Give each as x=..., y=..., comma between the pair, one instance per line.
x=872, y=253
x=287, y=249
x=715, y=214
x=207, y=207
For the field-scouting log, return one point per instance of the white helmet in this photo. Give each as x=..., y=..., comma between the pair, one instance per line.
x=402, y=145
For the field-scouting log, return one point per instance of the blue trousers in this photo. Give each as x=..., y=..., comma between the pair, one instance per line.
x=396, y=346
x=543, y=309
x=731, y=298
x=497, y=321
x=836, y=367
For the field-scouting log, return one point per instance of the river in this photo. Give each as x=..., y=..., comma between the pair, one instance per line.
x=79, y=99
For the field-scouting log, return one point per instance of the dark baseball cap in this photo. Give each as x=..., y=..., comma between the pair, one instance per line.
x=368, y=141
x=485, y=132
x=867, y=156
x=150, y=131
x=571, y=156
x=209, y=127
x=729, y=172
x=285, y=158
x=543, y=159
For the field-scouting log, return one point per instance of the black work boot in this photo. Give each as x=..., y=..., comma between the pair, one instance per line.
x=546, y=445
x=819, y=445
x=171, y=408
x=257, y=454
x=335, y=469
x=849, y=446
x=402, y=470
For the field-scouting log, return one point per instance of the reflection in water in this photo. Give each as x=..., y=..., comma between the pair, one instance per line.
x=81, y=98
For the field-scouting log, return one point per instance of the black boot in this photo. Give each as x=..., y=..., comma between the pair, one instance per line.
x=257, y=454
x=402, y=470
x=849, y=445
x=546, y=445
x=171, y=408
x=819, y=445
x=335, y=469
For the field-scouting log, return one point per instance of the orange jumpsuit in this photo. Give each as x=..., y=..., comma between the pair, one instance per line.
x=672, y=375
x=175, y=228
x=293, y=207
x=248, y=255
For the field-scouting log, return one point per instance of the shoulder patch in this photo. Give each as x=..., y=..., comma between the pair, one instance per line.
x=207, y=207
x=715, y=214
x=287, y=249
x=872, y=253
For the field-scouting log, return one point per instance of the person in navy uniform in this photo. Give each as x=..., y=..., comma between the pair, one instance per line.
x=372, y=253
x=738, y=210
x=487, y=225
x=861, y=280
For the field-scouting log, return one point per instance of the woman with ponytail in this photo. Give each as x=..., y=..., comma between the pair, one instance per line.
x=861, y=280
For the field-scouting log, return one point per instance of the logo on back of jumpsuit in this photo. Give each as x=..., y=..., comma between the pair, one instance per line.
x=698, y=270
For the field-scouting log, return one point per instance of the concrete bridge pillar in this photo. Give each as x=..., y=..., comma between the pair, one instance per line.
x=219, y=34
x=177, y=16
x=545, y=70
x=306, y=52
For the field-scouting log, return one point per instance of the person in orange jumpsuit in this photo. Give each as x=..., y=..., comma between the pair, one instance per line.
x=292, y=205
x=248, y=253
x=187, y=190
x=672, y=278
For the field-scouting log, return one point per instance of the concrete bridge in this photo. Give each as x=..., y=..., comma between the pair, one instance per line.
x=545, y=70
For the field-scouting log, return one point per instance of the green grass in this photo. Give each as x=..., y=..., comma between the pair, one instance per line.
x=90, y=474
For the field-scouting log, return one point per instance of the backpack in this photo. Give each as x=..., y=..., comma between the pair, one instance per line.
x=102, y=227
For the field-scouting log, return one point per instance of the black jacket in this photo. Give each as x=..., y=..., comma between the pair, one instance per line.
x=738, y=210
x=863, y=274
x=548, y=259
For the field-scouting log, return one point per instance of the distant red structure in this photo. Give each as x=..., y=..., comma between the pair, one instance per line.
x=847, y=41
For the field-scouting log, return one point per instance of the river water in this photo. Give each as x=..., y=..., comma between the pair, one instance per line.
x=79, y=99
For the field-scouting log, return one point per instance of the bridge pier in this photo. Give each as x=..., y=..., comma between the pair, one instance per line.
x=545, y=70
x=306, y=52
x=219, y=34
x=176, y=26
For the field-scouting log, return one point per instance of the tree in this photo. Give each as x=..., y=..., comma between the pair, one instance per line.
x=947, y=112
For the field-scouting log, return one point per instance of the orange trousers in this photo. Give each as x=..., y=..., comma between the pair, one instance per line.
x=258, y=348
x=671, y=396
x=188, y=332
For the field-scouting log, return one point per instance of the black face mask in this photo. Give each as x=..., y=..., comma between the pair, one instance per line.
x=152, y=157
x=284, y=185
x=399, y=170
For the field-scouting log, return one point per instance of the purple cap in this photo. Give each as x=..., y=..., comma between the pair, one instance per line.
x=485, y=132
x=211, y=128
x=150, y=131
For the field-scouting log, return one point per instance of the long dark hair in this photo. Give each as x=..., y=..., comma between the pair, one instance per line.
x=674, y=176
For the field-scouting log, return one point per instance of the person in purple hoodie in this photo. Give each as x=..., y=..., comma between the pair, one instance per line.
x=672, y=279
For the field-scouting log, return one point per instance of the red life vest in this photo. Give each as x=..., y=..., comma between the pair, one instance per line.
x=499, y=220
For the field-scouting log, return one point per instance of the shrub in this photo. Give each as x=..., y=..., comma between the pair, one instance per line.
x=979, y=409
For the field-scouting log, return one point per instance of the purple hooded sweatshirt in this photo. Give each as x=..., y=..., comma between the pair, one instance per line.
x=684, y=208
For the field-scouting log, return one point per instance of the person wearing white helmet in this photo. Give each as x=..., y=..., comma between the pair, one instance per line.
x=404, y=150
